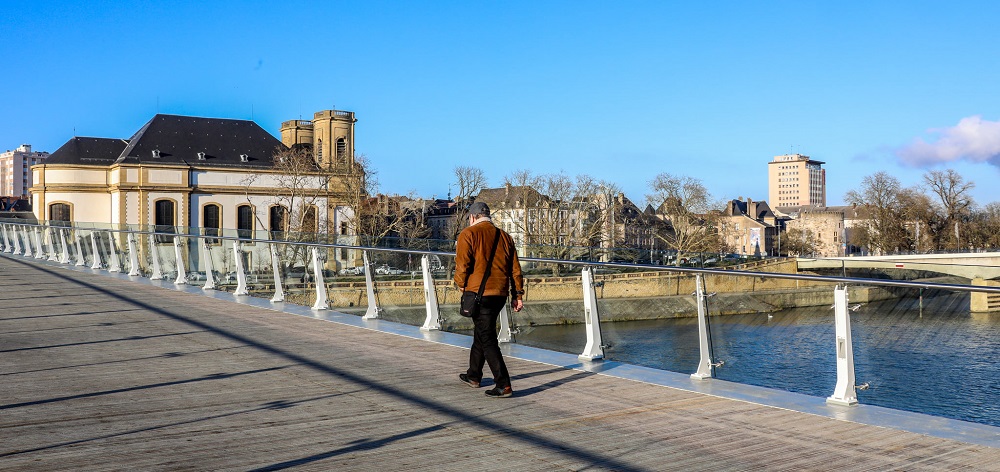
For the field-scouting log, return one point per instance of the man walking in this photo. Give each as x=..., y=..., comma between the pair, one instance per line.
x=473, y=251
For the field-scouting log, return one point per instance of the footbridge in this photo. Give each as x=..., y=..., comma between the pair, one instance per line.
x=130, y=349
x=985, y=265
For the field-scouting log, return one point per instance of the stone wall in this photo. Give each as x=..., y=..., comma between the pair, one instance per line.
x=621, y=297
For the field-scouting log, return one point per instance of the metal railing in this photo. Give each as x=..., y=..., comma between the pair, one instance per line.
x=269, y=266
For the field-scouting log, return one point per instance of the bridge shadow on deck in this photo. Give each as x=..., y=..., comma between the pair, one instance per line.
x=524, y=436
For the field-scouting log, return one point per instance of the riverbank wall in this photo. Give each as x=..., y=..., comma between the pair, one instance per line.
x=621, y=297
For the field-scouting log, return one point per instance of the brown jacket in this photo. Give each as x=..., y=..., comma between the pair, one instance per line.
x=472, y=250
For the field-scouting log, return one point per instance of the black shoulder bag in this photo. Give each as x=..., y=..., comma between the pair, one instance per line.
x=472, y=302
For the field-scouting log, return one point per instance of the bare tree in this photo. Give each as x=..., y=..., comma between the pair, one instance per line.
x=470, y=181
x=372, y=216
x=551, y=215
x=922, y=221
x=983, y=229
x=799, y=242
x=299, y=187
x=884, y=230
x=953, y=195
x=688, y=206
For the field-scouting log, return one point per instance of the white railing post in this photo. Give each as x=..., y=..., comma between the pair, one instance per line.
x=317, y=261
x=40, y=253
x=182, y=277
x=209, y=266
x=845, y=392
x=504, y=336
x=155, y=255
x=279, y=291
x=6, y=239
x=116, y=265
x=433, y=320
x=64, y=257
x=705, y=363
x=373, y=309
x=594, y=349
x=27, y=242
x=80, y=260
x=133, y=256
x=53, y=248
x=241, y=274
x=17, y=240
x=96, y=250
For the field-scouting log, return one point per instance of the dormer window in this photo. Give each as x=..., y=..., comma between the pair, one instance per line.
x=201, y=156
x=156, y=153
x=244, y=158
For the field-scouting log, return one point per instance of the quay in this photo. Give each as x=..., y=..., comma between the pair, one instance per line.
x=99, y=372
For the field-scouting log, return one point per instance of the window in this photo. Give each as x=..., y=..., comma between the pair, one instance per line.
x=309, y=222
x=341, y=149
x=60, y=212
x=211, y=220
x=277, y=221
x=163, y=219
x=244, y=221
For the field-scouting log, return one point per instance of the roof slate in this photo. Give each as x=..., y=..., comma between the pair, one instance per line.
x=178, y=140
x=88, y=151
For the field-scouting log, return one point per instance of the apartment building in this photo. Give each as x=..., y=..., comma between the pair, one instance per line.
x=15, y=170
x=796, y=180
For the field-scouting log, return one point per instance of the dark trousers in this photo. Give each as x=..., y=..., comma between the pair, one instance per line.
x=485, y=348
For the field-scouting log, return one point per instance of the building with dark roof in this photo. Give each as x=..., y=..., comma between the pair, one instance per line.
x=184, y=171
x=749, y=227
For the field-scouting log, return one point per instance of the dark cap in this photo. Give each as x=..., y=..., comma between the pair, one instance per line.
x=479, y=208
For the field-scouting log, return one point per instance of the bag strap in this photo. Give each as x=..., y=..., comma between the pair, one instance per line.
x=489, y=265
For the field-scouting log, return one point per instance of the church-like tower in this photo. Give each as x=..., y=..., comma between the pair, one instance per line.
x=330, y=133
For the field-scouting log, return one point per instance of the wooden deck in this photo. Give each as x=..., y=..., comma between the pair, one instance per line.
x=98, y=373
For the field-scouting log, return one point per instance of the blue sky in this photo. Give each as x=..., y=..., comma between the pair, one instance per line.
x=618, y=90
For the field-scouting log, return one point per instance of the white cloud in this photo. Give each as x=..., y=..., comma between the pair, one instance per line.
x=972, y=139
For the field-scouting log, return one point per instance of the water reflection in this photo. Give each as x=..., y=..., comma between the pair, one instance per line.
x=931, y=357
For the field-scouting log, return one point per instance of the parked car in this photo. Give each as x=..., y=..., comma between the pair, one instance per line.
x=352, y=271
x=385, y=269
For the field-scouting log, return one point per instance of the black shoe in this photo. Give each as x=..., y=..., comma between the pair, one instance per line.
x=465, y=378
x=497, y=392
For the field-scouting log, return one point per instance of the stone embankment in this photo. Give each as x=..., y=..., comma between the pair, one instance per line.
x=621, y=296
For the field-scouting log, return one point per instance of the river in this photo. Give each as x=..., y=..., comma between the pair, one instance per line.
x=939, y=359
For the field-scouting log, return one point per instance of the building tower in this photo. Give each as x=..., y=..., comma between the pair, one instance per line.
x=15, y=170
x=330, y=133
x=796, y=180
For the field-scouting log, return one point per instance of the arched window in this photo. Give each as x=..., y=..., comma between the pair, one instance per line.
x=60, y=212
x=211, y=220
x=319, y=150
x=244, y=221
x=277, y=221
x=341, y=149
x=163, y=219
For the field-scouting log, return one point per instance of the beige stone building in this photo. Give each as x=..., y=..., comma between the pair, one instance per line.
x=15, y=170
x=748, y=228
x=826, y=225
x=210, y=173
x=794, y=179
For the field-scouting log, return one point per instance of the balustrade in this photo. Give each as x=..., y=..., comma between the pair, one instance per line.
x=265, y=267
